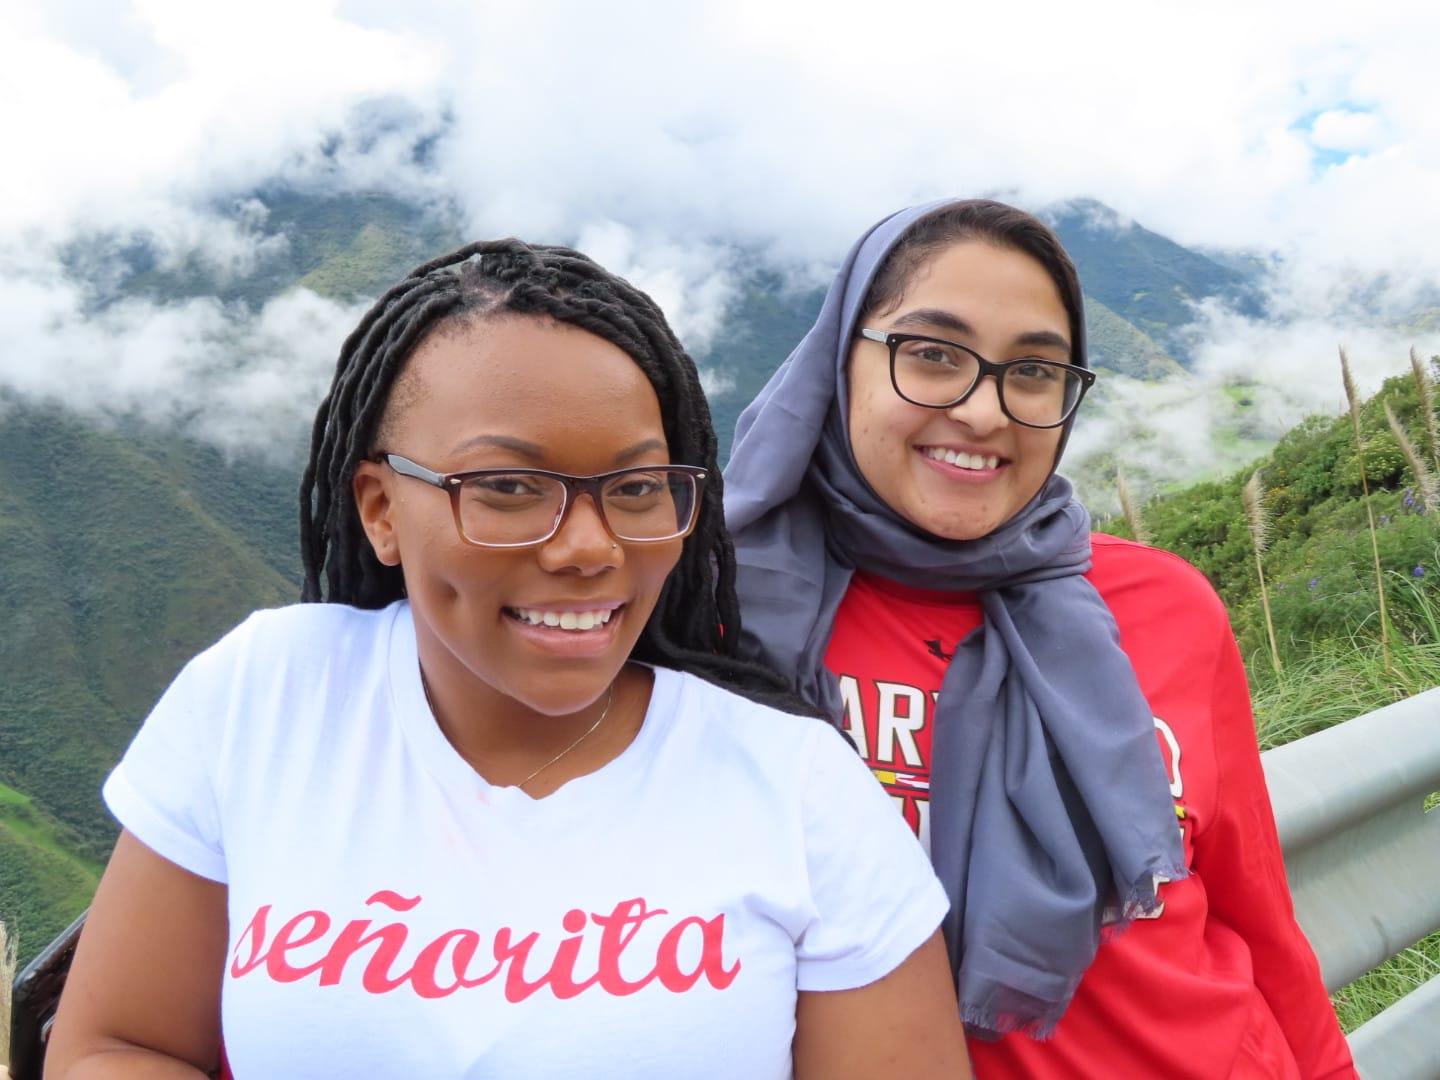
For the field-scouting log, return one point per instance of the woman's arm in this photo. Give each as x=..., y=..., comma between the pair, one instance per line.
x=143, y=995
x=1238, y=857
x=905, y=1024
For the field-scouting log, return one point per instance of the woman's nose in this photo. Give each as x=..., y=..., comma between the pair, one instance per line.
x=583, y=542
x=981, y=411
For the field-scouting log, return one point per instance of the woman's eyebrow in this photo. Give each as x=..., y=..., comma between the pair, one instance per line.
x=1043, y=338
x=536, y=452
x=642, y=447
x=502, y=442
x=933, y=317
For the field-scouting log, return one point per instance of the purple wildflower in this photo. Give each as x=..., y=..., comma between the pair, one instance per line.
x=1314, y=581
x=1419, y=571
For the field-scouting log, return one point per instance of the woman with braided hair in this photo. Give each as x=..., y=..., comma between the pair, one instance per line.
x=501, y=800
x=1063, y=719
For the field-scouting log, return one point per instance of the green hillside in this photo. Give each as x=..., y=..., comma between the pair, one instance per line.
x=1143, y=277
x=1118, y=346
x=1319, y=564
x=127, y=552
x=44, y=884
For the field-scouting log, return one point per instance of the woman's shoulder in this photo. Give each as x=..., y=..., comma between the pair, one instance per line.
x=724, y=717
x=297, y=634
x=1127, y=573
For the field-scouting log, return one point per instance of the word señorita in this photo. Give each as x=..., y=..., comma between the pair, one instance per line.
x=452, y=962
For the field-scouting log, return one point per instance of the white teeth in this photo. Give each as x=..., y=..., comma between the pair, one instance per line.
x=564, y=620
x=961, y=459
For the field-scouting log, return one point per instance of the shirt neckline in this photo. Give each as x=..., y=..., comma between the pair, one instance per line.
x=455, y=775
x=914, y=594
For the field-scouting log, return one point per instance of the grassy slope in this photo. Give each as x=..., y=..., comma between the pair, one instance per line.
x=43, y=883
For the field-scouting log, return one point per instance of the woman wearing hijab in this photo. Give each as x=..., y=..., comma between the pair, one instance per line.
x=1045, y=706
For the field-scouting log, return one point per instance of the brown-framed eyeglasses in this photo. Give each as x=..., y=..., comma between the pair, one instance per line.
x=510, y=508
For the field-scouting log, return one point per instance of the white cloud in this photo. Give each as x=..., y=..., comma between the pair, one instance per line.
x=247, y=382
x=1347, y=132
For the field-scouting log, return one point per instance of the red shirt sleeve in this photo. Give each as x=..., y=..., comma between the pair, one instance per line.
x=1239, y=859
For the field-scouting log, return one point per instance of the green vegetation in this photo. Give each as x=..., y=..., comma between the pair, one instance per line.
x=121, y=563
x=1318, y=563
x=44, y=884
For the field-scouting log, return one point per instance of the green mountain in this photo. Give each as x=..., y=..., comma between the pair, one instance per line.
x=1144, y=278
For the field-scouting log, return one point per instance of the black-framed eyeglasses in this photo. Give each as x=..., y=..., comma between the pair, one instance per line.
x=509, y=508
x=940, y=374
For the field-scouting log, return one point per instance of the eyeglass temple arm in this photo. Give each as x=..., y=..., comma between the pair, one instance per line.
x=406, y=467
x=881, y=336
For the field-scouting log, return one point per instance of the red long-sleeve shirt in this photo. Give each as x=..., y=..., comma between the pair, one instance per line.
x=1222, y=983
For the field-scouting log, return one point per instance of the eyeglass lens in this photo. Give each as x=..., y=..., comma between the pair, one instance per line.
x=1034, y=392
x=521, y=508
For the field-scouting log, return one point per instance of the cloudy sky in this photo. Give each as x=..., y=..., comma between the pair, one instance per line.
x=662, y=136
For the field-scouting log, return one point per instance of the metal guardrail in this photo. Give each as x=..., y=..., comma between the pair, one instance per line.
x=1363, y=858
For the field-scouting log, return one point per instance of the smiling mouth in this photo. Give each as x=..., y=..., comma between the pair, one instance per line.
x=961, y=460
x=578, y=621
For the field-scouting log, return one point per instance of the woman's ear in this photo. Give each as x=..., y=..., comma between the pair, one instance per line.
x=372, y=500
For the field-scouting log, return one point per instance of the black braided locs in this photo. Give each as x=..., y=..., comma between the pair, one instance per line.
x=696, y=623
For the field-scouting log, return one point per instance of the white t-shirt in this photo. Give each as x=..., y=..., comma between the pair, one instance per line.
x=392, y=914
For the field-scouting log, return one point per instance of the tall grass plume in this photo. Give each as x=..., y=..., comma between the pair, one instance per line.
x=1425, y=389
x=1131, y=511
x=1258, y=518
x=8, y=959
x=1427, y=487
x=1352, y=397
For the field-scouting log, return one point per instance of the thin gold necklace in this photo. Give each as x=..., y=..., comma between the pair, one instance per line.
x=609, y=697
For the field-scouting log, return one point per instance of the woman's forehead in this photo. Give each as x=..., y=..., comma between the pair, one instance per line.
x=535, y=381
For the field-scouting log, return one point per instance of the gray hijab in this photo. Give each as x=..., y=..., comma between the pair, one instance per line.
x=1050, y=813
